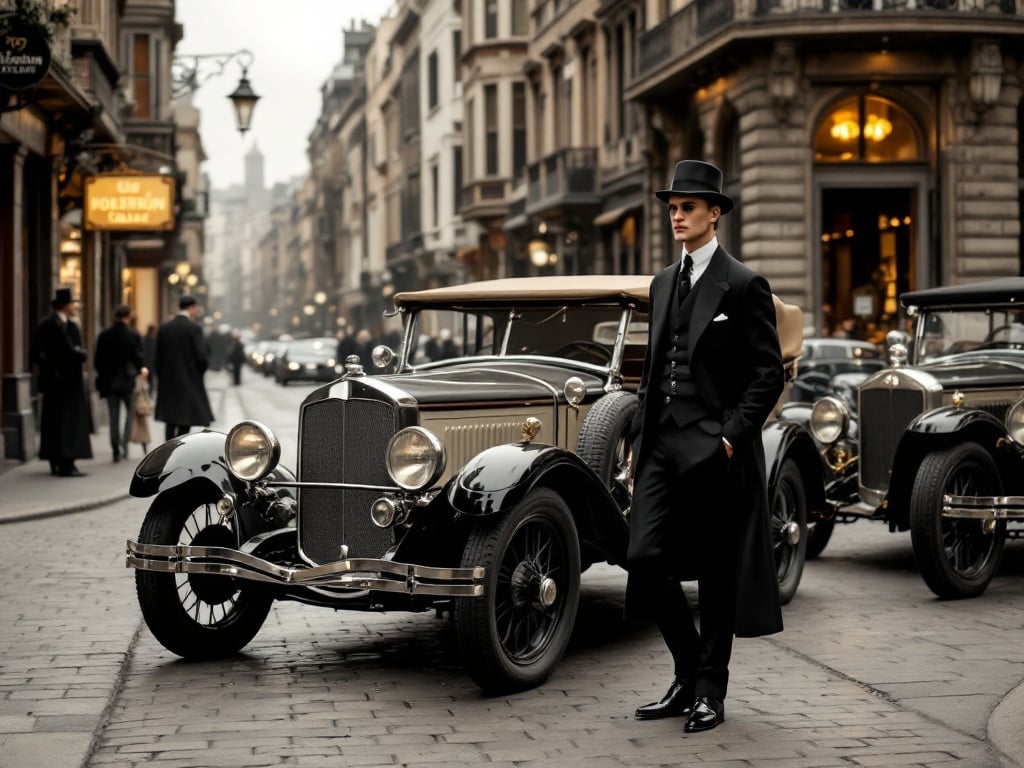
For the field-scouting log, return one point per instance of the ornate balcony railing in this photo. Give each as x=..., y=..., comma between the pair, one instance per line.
x=685, y=30
x=566, y=176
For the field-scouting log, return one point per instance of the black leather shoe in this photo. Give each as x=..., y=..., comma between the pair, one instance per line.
x=72, y=472
x=707, y=713
x=677, y=702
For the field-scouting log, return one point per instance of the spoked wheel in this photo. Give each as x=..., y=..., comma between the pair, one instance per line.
x=957, y=557
x=197, y=616
x=789, y=528
x=513, y=636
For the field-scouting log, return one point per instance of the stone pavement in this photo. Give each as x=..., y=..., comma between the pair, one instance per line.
x=70, y=700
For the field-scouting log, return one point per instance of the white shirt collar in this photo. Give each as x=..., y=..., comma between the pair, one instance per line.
x=701, y=258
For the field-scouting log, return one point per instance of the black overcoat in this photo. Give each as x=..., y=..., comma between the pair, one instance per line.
x=736, y=365
x=65, y=421
x=118, y=359
x=180, y=364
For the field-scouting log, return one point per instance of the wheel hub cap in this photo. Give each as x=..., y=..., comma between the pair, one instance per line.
x=548, y=592
x=791, y=533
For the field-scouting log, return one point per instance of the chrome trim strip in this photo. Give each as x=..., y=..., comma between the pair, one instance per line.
x=356, y=573
x=983, y=507
x=341, y=486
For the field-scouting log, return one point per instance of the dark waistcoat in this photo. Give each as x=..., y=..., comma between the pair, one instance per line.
x=680, y=400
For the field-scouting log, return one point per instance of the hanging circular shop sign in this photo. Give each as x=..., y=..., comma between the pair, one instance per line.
x=24, y=56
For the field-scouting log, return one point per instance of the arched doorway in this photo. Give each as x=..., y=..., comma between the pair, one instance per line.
x=871, y=192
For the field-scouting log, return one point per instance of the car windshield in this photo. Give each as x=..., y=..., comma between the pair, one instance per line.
x=939, y=333
x=584, y=333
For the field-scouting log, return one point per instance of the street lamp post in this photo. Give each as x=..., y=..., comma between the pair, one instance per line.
x=188, y=72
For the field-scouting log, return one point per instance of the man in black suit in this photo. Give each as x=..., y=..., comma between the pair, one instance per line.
x=118, y=361
x=712, y=373
x=181, y=361
x=66, y=418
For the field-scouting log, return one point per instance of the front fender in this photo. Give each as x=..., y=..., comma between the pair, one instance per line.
x=195, y=458
x=498, y=478
x=937, y=430
x=789, y=440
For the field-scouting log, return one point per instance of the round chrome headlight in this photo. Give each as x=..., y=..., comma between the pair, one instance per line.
x=1015, y=422
x=251, y=450
x=415, y=458
x=830, y=419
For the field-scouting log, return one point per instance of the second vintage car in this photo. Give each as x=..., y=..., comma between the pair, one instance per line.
x=936, y=443
x=480, y=486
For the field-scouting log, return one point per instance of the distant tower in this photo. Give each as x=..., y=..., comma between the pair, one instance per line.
x=255, y=186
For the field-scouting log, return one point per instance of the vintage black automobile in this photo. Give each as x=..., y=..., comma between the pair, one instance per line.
x=934, y=444
x=307, y=360
x=480, y=486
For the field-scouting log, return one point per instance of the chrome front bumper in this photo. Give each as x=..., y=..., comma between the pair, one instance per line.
x=983, y=507
x=354, y=573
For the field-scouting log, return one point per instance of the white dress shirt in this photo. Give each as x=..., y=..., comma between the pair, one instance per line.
x=701, y=258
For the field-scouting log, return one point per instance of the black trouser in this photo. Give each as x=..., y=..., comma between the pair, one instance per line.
x=684, y=523
x=176, y=430
x=119, y=434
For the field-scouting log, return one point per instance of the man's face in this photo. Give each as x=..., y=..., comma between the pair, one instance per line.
x=70, y=309
x=692, y=220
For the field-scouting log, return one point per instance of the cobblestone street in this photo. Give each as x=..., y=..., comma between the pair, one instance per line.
x=870, y=671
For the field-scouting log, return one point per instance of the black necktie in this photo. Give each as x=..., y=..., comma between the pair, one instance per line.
x=684, y=278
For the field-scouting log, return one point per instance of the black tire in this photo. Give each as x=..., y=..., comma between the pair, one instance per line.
x=818, y=534
x=604, y=442
x=509, y=638
x=789, y=528
x=196, y=616
x=957, y=557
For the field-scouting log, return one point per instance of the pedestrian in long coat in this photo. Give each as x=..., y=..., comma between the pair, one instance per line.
x=118, y=361
x=66, y=416
x=181, y=361
x=712, y=374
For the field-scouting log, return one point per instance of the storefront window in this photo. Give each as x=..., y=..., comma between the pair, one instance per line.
x=869, y=129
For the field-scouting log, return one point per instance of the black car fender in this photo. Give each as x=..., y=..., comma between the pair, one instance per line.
x=784, y=440
x=497, y=479
x=937, y=430
x=194, y=467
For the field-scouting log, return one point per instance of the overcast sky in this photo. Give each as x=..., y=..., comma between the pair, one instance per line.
x=295, y=45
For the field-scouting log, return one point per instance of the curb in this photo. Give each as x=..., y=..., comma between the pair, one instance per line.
x=1004, y=727
x=70, y=509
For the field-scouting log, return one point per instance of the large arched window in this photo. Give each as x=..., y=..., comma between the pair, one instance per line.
x=867, y=129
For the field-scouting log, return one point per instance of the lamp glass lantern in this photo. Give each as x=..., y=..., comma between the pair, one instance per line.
x=244, y=99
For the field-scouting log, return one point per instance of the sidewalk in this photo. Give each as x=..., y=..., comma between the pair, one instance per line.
x=28, y=491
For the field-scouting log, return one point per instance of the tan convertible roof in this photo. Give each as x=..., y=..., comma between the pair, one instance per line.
x=567, y=288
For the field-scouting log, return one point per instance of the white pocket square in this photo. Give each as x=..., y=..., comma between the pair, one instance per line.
x=720, y=318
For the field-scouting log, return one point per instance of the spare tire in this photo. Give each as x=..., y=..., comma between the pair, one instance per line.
x=604, y=442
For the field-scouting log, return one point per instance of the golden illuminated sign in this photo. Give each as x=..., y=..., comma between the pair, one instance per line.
x=129, y=203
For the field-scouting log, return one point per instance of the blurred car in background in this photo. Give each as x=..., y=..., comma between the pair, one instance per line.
x=307, y=360
x=826, y=358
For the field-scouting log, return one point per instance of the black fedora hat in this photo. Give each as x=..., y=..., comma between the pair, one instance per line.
x=700, y=179
x=62, y=298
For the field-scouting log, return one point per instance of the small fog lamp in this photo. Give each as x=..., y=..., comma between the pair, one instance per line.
x=383, y=512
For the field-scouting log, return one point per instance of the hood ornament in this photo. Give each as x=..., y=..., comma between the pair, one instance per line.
x=531, y=428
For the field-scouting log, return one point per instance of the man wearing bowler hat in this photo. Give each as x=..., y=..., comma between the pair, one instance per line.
x=65, y=422
x=181, y=361
x=712, y=374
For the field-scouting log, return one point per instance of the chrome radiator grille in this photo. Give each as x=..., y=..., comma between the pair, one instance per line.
x=343, y=441
x=884, y=415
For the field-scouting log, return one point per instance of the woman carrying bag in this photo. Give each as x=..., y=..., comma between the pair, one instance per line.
x=142, y=409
